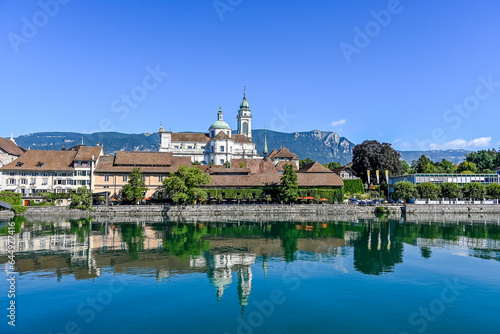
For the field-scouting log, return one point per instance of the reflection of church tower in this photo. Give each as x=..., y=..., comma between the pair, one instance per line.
x=244, y=118
x=219, y=271
x=244, y=285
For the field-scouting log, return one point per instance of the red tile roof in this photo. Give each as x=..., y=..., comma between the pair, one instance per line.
x=241, y=139
x=285, y=153
x=255, y=165
x=85, y=153
x=221, y=135
x=150, y=159
x=10, y=147
x=107, y=164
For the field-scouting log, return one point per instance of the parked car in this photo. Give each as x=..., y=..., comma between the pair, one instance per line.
x=362, y=203
x=370, y=203
x=354, y=201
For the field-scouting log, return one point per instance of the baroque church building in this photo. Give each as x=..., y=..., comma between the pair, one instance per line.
x=219, y=145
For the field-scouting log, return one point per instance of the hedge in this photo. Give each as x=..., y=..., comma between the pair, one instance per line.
x=354, y=186
x=11, y=198
x=332, y=195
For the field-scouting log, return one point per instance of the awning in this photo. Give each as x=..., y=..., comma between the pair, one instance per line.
x=43, y=187
x=11, y=188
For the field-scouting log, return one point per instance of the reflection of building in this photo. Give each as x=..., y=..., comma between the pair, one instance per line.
x=220, y=268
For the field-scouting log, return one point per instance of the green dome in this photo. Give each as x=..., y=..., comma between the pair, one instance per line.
x=244, y=103
x=220, y=125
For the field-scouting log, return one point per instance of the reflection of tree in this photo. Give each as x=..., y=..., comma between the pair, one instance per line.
x=377, y=251
x=185, y=240
x=426, y=252
x=289, y=235
x=80, y=227
x=132, y=235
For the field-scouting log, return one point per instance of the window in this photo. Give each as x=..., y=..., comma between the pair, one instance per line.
x=190, y=147
x=160, y=178
x=32, y=182
x=222, y=161
x=106, y=187
x=81, y=173
x=23, y=174
x=12, y=174
x=23, y=181
x=69, y=182
x=125, y=178
x=222, y=148
x=106, y=178
x=45, y=182
x=11, y=181
x=245, y=127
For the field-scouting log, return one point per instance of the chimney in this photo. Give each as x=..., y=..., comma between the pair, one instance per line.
x=63, y=148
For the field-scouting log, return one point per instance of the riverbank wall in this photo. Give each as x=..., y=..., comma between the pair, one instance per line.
x=219, y=213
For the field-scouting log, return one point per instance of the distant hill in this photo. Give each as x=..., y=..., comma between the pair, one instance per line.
x=322, y=146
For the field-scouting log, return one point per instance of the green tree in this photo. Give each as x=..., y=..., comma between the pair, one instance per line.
x=183, y=186
x=446, y=167
x=304, y=162
x=196, y=163
x=227, y=164
x=289, y=186
x=406, y=167
x=135, y=188
x=493, y=191
x=451, y=190
x=423, y=165
x=429, y=191
x=332, y=165
x=467, y=166
x=372, y=155
x=404, y=190
x=474, y=190
x=482, y=159
x=81, y=198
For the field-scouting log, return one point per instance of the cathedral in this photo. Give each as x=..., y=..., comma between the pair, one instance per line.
x=219, y=146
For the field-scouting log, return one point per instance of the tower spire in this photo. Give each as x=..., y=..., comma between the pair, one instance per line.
x=244, y=91
x=265, y=144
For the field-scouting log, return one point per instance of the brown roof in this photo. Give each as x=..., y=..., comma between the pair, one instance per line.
x=280, y=165
x=10, y=147
x=314, y=167
x=241, y=139
x=107, y=164
x=221, y=135
x=230, y=171
x=35, y=160
x=150, y=159
x=272, y=154
x=182, y=136
x=85, y=153
x=268, y=179
x=255, y=165
x=340, y=169
x=285, y=153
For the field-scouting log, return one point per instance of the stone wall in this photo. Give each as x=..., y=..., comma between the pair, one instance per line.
x=452, y=209
x=323, y=212
x=6, y=214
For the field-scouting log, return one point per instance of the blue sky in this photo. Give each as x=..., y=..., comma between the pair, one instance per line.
x=419, y=74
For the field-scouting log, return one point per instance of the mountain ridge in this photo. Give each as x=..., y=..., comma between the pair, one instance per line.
x=318, y=145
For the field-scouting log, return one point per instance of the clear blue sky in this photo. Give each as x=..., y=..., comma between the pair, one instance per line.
x=305, y=65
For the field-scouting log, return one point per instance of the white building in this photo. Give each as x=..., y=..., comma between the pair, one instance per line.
x=219, y=145
x=9, y=151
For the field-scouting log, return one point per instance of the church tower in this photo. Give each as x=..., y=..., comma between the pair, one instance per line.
x=244, y=118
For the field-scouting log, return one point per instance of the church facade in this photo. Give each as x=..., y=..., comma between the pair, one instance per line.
x=219, y=146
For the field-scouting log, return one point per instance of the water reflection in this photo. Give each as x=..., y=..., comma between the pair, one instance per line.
x=227, y=252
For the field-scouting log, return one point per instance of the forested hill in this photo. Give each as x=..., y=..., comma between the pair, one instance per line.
x=322, y=146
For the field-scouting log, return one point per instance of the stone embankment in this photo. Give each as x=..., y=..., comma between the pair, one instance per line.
x=6, y=214
x=451, y=209
x=221, y=213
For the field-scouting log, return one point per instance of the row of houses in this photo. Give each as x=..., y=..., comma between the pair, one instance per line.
x=35, y=172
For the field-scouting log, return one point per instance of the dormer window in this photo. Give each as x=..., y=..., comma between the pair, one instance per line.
x=19, y=164
x=40, y=164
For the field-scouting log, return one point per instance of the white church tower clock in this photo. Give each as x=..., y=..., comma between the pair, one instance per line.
x=244, y=118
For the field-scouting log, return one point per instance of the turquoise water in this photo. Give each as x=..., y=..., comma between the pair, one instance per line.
x=338, y=277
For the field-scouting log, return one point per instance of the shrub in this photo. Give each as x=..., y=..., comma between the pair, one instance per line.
x=354, y=186
x=11, y=198
x=18, y=209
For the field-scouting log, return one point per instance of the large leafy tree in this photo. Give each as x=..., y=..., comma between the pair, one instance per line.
x=484, y=160
x=446, y=167
x=135, y=188
x=406, y=167
x=423, y=165
x=373, y=155
x=467, y=166
x=183, y=186
x=451, y=190
x=82, y=197
x=405, y=190
x=289, y=186
x=493, y=191
x=429, y=190
x=474, y=190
